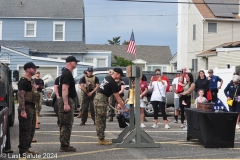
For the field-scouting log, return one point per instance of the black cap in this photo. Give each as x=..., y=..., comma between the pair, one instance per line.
x=90, y=69
x=118, y=70
x=71, y=59
x=63, y=68
x=85, y=72
x=30, y=65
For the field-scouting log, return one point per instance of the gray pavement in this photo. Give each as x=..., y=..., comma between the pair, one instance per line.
x=173, y=144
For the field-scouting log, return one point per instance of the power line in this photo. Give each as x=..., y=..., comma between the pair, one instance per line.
x=175, y=2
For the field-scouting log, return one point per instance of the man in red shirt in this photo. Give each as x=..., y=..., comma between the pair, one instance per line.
x=155, y=78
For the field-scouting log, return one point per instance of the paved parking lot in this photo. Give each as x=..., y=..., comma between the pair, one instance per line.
x=173, y=144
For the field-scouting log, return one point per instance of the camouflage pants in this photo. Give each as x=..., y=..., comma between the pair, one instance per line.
x=66, y=121
x=87, y=103
x=26, y=128
x=101, y=105
x=38, y=106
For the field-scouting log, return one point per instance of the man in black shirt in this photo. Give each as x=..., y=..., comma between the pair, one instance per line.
x=89, y=86
x=26, y=110
x=66, y=104
x=39, y=85
x=106, y=89
x=56, y=86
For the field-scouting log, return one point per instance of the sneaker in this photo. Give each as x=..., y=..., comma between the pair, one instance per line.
x=182, y=125
x=104, y=142
x=154, y=126
x=82, y=124
x=142, y=125
x=175, y=121
x=167, y=126
x=237, y=126
x=67, y=149
x=32, y=152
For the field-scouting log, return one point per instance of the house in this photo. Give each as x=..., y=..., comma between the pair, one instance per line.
x=44, y=32
x=208, y=34
x=150, y=57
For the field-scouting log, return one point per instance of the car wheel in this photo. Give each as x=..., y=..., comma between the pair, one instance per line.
x=55, y=107
x=11, y=117
x=149, y=109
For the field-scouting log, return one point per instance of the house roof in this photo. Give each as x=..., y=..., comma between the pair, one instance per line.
x=42, y=8
x=212, y=51
x=151, y=54
x=206, y=12
x=47, y=46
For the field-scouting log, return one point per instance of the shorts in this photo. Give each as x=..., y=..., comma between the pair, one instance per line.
x=142, y=104
x=176, y=103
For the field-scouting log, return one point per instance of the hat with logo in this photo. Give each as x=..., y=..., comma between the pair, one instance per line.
x=90, y=69
x=30, y=65
x=71, y=59
x=210, y=71
x=118, y=70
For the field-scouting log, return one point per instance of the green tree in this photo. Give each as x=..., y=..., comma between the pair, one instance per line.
x=121, y=62
x=115, y=41
x=125, y=42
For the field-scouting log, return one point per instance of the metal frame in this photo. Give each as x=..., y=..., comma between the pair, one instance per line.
x=142, y=139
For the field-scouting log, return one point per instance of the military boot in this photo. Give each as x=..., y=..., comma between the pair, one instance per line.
x=110, y=119
x=79, y=115
x=104, y=142
x=67, y=149
x=32, y=152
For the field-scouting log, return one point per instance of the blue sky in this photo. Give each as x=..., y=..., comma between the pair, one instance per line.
x=108, y=19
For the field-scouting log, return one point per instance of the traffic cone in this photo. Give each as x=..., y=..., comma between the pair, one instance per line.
x=36, y=126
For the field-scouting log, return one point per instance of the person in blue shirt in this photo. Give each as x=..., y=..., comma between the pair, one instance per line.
x=213, y=84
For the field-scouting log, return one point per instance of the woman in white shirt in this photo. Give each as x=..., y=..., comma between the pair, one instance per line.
x=159, y=91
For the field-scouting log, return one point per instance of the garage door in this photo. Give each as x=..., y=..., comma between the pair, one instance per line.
x=43, y=71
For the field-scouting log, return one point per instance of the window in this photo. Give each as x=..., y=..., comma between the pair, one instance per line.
x=152, y=68
x=194, y=65
x=58, y=31
x=88, y=60
x=30, y=28
x=101, y=62
x=212, y=27
x=194, y=32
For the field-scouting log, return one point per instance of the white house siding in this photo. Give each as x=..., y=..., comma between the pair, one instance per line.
x=236, y=31
x=194, y=46
x=223, y=58
x=226, y=32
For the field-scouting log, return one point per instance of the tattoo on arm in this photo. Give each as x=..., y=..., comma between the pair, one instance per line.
x=21, y=99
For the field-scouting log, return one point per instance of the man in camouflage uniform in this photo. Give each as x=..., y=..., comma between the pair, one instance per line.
x=81, y=97
x=40, y=85
x=26, y=110
x=89, y=86
x=66, y=104
x=106, y=89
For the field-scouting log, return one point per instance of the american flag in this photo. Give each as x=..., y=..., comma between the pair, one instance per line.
x=131, y=46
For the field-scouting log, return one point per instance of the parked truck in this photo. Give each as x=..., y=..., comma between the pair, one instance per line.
x=7, y=107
